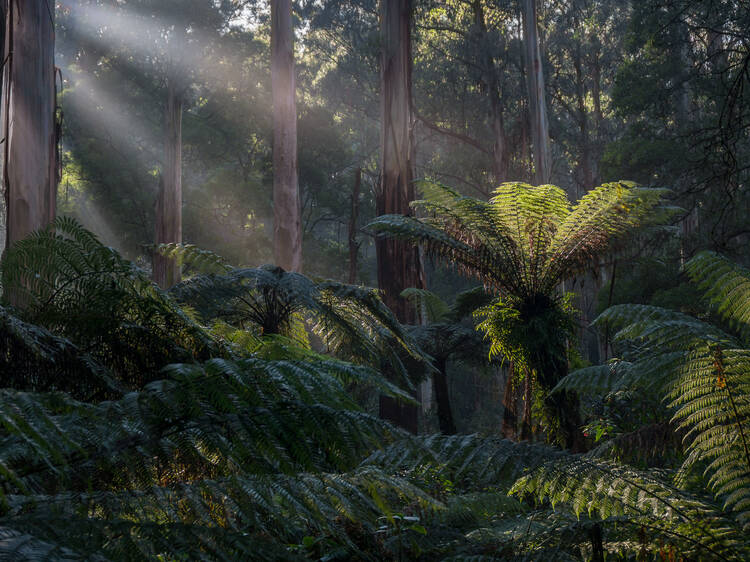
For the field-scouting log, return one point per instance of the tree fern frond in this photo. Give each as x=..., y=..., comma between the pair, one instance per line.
x=725, y=284
x=67, y=281
x=435, y=307
x=351, y=321
x=598, y=380
x=195, y=258
x=606, y=489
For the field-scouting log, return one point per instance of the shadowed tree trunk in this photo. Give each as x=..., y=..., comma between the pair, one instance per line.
x=353, y=245
x=169, y=202
x=537, y=102
x=500, y=160
x=528, y=395
x=440, y=384
x=398, y=262
x=27, y=117
x=287, y=222
x=510, y=406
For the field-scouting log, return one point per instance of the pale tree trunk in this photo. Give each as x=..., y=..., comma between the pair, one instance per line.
x=399, y=265
x=169, y=203
x=585, y=164
x=287, y=221
x=537, y=102
x=29, y=151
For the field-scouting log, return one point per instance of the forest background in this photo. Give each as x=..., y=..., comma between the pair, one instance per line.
x=644, y=91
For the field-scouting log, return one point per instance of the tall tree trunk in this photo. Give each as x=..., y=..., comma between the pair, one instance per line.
x=166, y=271
x=537, y=102
x=353, y=244
x=500, y=159
x=287, y=211
x=585, y=164
x=442, y=399
x=528, y=395
x=27, y=117
x=510, y=406
x=398, y=262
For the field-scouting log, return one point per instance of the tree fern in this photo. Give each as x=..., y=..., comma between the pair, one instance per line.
x=351, y=321
x=65, y=280
x=703, y=372
x=522, y=244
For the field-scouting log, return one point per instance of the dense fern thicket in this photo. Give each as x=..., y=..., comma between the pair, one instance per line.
x=261, y=450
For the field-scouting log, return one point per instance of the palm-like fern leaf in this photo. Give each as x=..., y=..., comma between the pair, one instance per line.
x=526, y=239
x=351, y=321
x=64, y=279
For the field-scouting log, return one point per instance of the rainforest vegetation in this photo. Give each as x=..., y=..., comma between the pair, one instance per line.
x=375, y=280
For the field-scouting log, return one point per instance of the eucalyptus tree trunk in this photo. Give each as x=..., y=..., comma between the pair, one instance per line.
x=287, y=221
x=29, y=151
x=586, y=165
x=399, y=264
x=500, y=160
x=535, y=86
x=169, y=202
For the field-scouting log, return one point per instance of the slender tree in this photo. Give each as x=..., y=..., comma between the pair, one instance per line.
x=169, y=201
x=352, y=234
x=287, y=226
x=537, y=102
x=398, y=262
x=29, y=155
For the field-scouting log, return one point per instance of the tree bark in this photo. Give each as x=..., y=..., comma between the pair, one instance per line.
x=442, y=399
x=398, y=262
x=528, y=394
x=287, y=212
x=510, y=406
x=353, y=244
x=166, y=272
x=29, y=151
x=537, y=102
x=500, y=160
x=585, y=165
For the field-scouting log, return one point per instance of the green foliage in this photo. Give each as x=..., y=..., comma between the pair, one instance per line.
x=64, y=279
x=522, y=244
x=702, y=371
x=351, y=321
x=526, y=239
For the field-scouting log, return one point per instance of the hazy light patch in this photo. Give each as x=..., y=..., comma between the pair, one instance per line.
x=73, y=200
x=109, y=116
x=191, y=53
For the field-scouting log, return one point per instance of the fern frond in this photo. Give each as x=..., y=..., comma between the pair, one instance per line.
x=725, y=284
x=436, y=308
x=196, y=259
x=352, y=321
x=65, y=280
x=605, y=489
